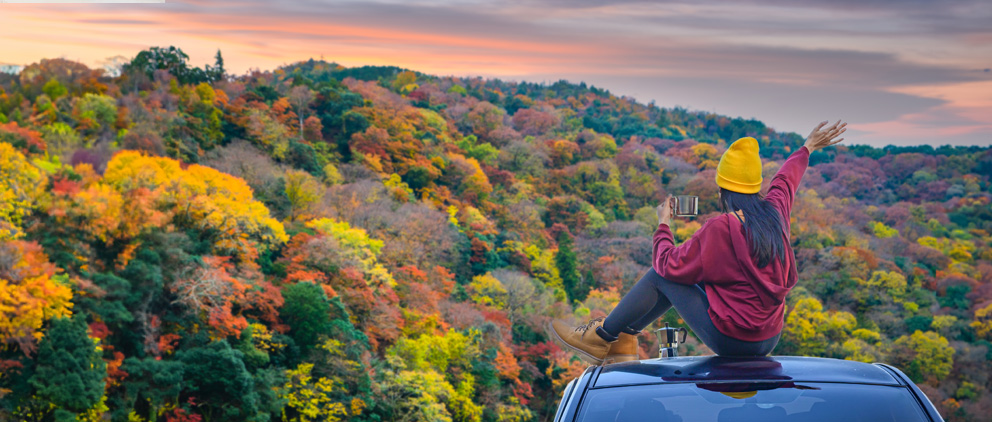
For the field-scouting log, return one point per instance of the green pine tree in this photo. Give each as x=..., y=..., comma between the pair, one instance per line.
x=152, y=384
x=568, y=266
x=218, y=72
x=306, y=311
x=69, y=371
x=216, y=375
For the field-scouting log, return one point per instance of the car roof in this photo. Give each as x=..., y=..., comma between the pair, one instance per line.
x=718, y=369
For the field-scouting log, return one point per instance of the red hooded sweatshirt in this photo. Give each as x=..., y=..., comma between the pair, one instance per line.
x=746, y=302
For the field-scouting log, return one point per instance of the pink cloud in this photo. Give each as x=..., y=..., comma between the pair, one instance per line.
x=740, y=59
x=965, y=111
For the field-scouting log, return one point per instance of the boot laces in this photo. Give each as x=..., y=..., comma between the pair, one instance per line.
x=585, y=327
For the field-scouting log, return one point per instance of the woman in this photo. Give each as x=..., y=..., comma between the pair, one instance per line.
x=729, y=280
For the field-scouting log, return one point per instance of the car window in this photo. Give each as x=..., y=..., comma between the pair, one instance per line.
x=714, y=402
x=564, y=399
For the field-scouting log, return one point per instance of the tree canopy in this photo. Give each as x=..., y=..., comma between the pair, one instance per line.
x=321, y=242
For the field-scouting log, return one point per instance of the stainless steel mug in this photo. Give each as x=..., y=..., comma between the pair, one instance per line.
x=686, y=206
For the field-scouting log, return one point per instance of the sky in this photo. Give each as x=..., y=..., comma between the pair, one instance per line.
x=902, y=72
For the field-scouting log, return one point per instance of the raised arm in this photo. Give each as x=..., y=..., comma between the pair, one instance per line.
x=783, y=188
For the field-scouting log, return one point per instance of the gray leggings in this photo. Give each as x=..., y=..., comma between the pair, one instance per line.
x=653, y=295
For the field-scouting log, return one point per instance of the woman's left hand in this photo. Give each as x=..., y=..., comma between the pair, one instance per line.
x=665, y=211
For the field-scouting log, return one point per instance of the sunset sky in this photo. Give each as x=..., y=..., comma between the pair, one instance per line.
x=902, y=72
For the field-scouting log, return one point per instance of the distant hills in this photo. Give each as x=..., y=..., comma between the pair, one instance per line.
x=319, y=242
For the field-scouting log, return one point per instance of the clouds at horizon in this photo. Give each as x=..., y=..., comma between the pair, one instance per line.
x=901, y=72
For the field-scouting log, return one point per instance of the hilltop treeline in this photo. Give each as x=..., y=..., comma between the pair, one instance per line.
x=374, y=244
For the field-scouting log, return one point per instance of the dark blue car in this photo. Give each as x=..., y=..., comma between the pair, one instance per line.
x=718, y=389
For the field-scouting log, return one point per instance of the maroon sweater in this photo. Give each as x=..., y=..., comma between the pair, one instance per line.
x=746, y=302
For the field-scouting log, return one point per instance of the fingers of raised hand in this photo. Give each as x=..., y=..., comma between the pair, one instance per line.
x=817, y=128
x=839, y=131
x=826, y=135
x=823, y=135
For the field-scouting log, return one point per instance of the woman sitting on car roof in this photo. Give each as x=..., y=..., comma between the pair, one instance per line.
x=729, y=280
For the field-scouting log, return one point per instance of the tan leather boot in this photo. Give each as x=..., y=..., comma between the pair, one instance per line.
x=623, y=350
x=581, y=339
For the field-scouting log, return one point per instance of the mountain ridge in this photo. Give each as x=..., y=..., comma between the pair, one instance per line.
x=373, y=244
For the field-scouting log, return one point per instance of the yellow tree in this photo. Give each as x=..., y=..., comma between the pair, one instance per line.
x=30, y=293
x=311, y=398
x=706, y=156
x=422, y=391
x=302, y=190
x=202, y=198
x=487, y=290
x=113, y=215
x=809, y=330
x=20, y=186
x=983, y=321
x=543, y=267
x=96, y=211
x=405, y=81
x=358, y=246
x=925, y=356
x=228, y=206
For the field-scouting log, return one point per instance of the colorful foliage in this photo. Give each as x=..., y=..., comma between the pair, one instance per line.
x=30, y=293
x=20, y=186
x=321, y=242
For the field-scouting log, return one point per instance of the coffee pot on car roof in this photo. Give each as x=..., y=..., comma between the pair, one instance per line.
x=668, y=341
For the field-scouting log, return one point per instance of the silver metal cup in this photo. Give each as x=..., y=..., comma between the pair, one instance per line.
x=686, y=206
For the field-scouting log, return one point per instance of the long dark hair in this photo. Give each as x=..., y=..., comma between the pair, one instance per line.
x=762, y=225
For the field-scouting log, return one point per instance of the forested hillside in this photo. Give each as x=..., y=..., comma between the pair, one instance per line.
x=321, y=243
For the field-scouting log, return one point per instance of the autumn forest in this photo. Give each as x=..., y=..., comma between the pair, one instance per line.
x=324, y=243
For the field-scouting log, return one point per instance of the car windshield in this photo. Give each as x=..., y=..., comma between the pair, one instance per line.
x=715, y=402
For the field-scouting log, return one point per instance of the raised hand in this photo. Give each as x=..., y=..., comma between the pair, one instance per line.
x=822, y=137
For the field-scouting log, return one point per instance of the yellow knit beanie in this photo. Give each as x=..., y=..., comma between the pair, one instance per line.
x=740, y=167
